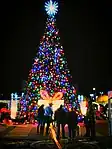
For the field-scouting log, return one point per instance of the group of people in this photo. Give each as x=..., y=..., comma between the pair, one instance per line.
x=60, y=118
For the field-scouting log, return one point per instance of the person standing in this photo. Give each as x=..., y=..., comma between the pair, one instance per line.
x=48, y=116
x=89, y=121
x=40, y=119
x=60, y=118
x=72, y=123
x=92, y=121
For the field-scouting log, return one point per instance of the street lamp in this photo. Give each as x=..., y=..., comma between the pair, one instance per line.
x=94, y=92
x=94, y=89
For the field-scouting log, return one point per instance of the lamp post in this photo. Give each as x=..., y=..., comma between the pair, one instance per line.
x=92, y=114
x=110, y=112
x=94, y=92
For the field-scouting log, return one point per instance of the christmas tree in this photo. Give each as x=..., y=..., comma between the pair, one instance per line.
x=49, y=70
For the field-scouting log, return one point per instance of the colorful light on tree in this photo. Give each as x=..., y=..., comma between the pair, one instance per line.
x=49, y=70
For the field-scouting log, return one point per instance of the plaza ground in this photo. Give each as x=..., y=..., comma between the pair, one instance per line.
x=24, y=136
x=28, y=131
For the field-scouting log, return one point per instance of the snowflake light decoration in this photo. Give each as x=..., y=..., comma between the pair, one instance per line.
x=51, y=8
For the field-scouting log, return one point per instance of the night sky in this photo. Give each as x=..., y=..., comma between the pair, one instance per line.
x=85, y=32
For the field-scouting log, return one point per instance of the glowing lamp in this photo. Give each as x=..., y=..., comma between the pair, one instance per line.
x=102, y=99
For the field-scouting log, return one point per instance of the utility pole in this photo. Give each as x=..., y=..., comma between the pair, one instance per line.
x=110, y=112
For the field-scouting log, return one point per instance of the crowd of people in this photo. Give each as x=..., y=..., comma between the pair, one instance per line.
x=60, y=118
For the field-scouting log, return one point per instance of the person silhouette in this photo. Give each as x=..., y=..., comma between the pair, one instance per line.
x=72, y=122
x=60, y=118
x=40, y=119
x=48, y=116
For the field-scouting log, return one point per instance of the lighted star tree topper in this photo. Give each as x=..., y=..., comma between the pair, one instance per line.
x=49, y=70
x=51, y=8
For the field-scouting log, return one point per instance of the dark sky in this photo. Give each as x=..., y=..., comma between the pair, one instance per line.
x=85, y=32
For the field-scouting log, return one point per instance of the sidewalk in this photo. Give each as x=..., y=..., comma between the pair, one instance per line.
x=20, y=131
x=2, y=128
x=25, y=136
x=29, y=132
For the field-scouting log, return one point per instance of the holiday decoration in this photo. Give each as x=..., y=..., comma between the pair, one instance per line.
x=57, y=96
x=4, y=110
x=51, y=8
x=103, y=99
x=83, y=107
x=13, y=105
x=55, y=100
x=49, y=70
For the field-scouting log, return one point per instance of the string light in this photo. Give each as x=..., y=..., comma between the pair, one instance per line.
x=49, y=70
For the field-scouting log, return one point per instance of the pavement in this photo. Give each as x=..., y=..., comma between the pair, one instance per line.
x=28, y=131
x=26, y=135
x=102, y=127
x=2, y=128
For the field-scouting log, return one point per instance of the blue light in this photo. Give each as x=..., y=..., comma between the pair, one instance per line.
x=51, y=8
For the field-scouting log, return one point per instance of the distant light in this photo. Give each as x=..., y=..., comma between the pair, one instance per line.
x=78, y=97
x=101, y=93
x=82, y=97
x=16, y=96
x=91, y=95
x=94, y=89
x=12, y=96
x=22, y=94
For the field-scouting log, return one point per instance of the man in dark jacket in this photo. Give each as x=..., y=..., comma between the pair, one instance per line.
x=40, y=119
x=72, y=122
x=89, y=121
x=48, y=116
x=60, y=118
